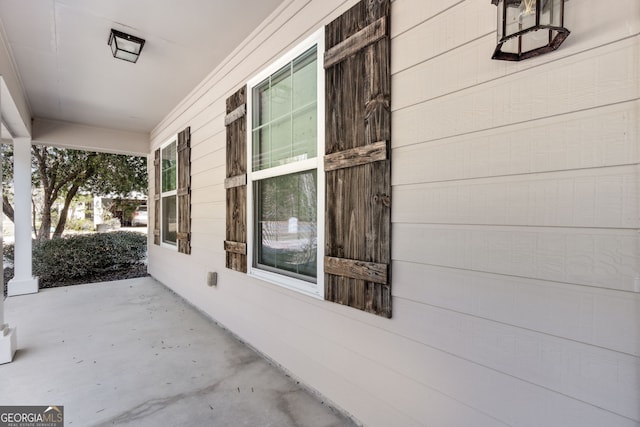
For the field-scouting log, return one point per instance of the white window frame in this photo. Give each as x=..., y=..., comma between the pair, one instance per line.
x=309, y=288
x=164, y=194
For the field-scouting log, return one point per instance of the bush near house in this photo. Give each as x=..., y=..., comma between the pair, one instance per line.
x=87, y=258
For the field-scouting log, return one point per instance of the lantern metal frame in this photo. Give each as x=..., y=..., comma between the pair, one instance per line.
x=119, y=51
x=554, y=41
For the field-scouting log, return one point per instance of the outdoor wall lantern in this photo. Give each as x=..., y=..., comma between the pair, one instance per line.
x=125, y=46
x=528, y=28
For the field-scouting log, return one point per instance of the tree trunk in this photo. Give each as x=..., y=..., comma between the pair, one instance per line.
x=7, y=208
x=44, y=233
x=33, y=214
x=62, y=221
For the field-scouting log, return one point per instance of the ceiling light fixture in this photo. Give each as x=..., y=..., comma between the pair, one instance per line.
x=125, y=46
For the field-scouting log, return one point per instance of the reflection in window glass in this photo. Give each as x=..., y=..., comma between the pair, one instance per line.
x=169, y=220
x=169, y=167
x=285, y=224
x=284, y=124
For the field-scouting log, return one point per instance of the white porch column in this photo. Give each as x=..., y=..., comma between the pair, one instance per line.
x=23, y=282
x=8, y=342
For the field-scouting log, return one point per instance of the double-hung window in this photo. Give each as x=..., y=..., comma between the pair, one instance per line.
x=169, y=185
x=285, y=179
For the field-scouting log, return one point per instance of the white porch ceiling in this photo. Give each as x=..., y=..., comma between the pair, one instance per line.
x=4, y=132
x=61, y=53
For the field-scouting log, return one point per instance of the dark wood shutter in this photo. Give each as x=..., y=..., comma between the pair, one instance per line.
x=184, y=191
x=357, y=163
x=156, y=198
x=235, y=244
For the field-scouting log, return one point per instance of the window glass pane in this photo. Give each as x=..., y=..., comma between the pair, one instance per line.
x=281, y=93
x=169, y=167
x=261, y=151
x=305, y=79
x=304, y=118
x=286, y=226
x=281, y=142
x=305, y=133
x=169, y=220
x=285, y=114
x=261, y=101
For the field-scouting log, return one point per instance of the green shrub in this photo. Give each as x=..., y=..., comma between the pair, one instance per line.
x=8, y=251
x=86, y=255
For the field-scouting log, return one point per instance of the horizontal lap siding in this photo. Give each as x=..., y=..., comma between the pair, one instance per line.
x=205, y=162
x=594, y=257
x=208, y=152
x=584, y=81
x=515, y=226
x=579, y=313
x=600, y=137
x=533, y=358
x=515, y=206
x=602, y=198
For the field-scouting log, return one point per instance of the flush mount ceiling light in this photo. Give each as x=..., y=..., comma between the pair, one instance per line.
x=125, y=46
x=528, y=28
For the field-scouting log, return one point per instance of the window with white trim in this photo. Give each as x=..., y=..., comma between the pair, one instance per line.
x=168, y=195
x=285, y=180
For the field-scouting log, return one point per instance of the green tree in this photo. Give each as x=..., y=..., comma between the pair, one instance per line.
x=61, y=173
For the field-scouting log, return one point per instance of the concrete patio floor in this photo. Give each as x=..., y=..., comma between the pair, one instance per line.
x=132, y=352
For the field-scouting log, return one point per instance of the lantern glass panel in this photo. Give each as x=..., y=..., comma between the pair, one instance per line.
x=511, y=45
x=500, y=18
x=114, y=47
x=550, y=12
x=546, y=12
x=128, y=45
x=556, y=13
x=535, y=40
x=520, y=16
x=127, y=56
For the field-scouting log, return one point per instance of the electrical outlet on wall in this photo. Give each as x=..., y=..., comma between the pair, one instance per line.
x=212, y=279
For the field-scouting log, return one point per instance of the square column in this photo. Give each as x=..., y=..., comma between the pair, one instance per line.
x=23, y=282
x=8, y=341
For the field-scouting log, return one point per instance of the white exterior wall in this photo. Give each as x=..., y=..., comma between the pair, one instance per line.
x=516, y=272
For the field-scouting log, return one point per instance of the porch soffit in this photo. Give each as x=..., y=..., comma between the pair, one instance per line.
x=90, y=138
x=60, y=52
x=12, y=124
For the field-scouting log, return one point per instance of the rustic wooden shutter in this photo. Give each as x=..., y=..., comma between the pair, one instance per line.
x=357, y=162
x=235, y=244
x=156, y=198
x=184, y=191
